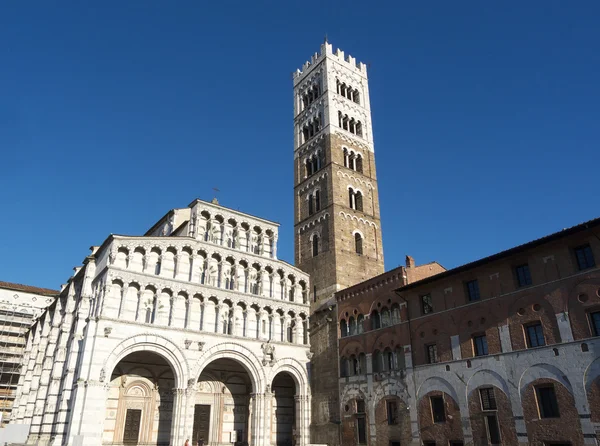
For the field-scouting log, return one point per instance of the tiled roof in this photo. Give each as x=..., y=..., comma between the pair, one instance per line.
x=29, y=289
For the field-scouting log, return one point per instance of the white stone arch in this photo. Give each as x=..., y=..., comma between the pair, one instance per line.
x=237, y=352
x=592, y=371
x=388, y=387
x=541, y=371
x=356, y=231
x=350, y=392
x=296, y=370
x=486, y=377
x=436, y=383
x=148, y=343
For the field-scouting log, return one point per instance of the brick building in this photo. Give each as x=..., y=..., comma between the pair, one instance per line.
x=502, y=350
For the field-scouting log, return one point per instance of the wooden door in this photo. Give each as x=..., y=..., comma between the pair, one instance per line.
x=131, y=433
x=201, y=423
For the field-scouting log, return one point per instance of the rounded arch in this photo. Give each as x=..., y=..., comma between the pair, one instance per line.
x=486, y=377
x=237, y=352
x=436, y=383
x=592, y=371
x=540, y=371
x=351, y=392
x=388, y=387
x=295, y=369
x=148, y=343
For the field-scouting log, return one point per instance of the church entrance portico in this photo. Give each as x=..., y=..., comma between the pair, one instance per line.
x=222, y=404
x=140, y=401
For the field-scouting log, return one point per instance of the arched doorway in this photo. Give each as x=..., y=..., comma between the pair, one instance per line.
x=283, y=419
x=140, y=401
x=222, y=406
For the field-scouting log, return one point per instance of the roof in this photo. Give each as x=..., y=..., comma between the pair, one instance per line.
x=507, y=253
x=29, y=289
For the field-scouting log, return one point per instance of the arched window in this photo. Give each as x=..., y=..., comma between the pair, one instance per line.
x=360, y=324
x=157, y=267
x=388, y=360
x=346, y=159
x=351, y=202
x=358, y=201
x=375, y=320
x=395, y=314
x=362, y=363
x=315, y=245
x=343, y=367
x=358, y=244
x=352, y=325
x=343, y=328
x=400, y=360
x=385, y=318
x=310, y=205
x=377, y=361
x=354, y=366
x=358, y=164
x=359, y=131
x=317, y=200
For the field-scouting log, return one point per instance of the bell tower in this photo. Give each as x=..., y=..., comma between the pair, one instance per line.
x=337, y=221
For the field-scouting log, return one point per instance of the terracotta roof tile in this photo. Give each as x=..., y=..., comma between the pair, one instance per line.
x=29, y=289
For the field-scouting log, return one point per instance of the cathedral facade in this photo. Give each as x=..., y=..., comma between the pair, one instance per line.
x=194, y=330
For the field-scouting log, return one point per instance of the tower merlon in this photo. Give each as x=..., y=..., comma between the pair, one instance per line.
x=327, y=52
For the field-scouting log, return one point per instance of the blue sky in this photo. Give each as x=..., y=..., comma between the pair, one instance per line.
x=485, y=116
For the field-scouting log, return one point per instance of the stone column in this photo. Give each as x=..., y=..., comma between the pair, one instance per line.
x=179, y=426
x=299, y=331
x=194, y=270
x=238, y=321
x=177, y=268
x=258, y=421
x=179, y=312
x=287, y=322
x=274, y=254
x=277, y=327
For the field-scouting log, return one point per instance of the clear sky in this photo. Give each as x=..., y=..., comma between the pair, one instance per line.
x=486, y=119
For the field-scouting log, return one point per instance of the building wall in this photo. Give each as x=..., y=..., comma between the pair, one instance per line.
x=561, y=297
x=20, y=305
x=134, y=336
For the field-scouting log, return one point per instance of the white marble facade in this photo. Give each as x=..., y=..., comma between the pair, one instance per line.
x=193, y=330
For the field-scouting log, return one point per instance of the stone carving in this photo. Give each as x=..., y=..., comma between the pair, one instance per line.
x=187, y=343
x=191, y=382
x=102, y=375
x=268, y=353
x=201, y=345
x=107, y=331
x=309, y=354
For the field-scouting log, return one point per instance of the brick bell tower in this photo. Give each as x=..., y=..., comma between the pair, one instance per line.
x=337, y=222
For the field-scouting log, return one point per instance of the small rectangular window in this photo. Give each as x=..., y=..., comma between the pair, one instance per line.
x=394, y=443
x=438, y=410
x=432, y=356
x=429, y=443
x=360, y=406
x=547, y=403
x=456, y=443
x=585, y=257
x=488, y=399
x=595, y=323
x=480, y=345
x=426, y=304
x=523, y=275
x=473, y=290
x=493, y=429
x=535, y=335
x=392, y=412
x=361, y=427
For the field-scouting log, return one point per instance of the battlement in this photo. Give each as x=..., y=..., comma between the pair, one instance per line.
x=327, y=52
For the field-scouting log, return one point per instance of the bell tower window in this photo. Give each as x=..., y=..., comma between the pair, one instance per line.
x=358, y=243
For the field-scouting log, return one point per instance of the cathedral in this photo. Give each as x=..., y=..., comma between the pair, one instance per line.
x=196, y=331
